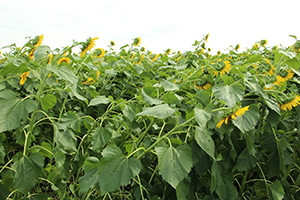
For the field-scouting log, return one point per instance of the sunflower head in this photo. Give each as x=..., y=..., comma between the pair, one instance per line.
x=31, y=54
x=112, y=43
x=131, y=55
x=137, y=41
x=237, y=47
x=275, y=48
x=37, y=41
x=288, y=101
x=263, y=42
x=203, y=45
x=23, y=78
x=221, y=68
x=99, y=52
x=143, y=49
x=88, y=45
x=206, y=37
x=168, y=51
x=64, y=59
x=218, y=53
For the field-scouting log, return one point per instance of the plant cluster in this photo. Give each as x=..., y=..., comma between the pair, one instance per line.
x=131, y=124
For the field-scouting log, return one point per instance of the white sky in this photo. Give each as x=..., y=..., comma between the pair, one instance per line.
x=161, y=24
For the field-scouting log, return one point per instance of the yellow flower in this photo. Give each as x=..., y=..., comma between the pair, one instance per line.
x=219, y=53
x=131, y=55
x=263, y=42
x=206, y=37
x=37, y=41
x=155, y=57
x=139, y=62
x=137, y=41
x=89, y=81
x=201, y=51
x=238, y=113
x=255, y=45
x=88, y=45
x=289, y=105
x=24, y=77
x=64, y=59
x=279, y=81
x=289, y=75
x=275, y=48
x=31, y=54
x=223, y=69
x=99, y=52
x=168, y=51
x=49, y=58
x=237, y=47
x=112, y=43
x=271, y=72
x=143, y=49
x=98, y=74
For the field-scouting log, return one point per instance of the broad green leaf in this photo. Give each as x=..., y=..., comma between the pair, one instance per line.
x=226, y=189
x=41, y=52
x=2, y=153
x=91, y=175
x=64, y=73
x=183, y=190
x=229, y=93
x=99, y=100
x=66, y=141
x=293, y=63
x=111, y=72
x=76, y=94
x=26, y=175
x=13, y=110
x=169, y=86
x=129, y=112
x=48, y=101
x=203, y=97
x=174, y=164
x=249, y=120
x=99, y=138
x=148, y=99
x=171, y=98
x=254, y=59
x=276, y=191
x=161, y=111
x=10, y=68
x=70, y=120
x=271, y=103
x=62, y=163
x=202, y=116
x=116, y=170
x=4, y=191
x=245, y=161
x=204, y=140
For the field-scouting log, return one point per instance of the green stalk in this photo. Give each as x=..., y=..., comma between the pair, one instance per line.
x=163, y=137
x=33, y=116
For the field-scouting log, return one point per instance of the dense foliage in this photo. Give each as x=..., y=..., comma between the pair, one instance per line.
x=130, y=124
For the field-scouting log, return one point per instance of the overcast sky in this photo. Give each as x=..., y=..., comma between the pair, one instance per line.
x=161, y=24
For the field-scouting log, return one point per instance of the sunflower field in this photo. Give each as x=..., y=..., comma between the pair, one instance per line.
x=131, y=124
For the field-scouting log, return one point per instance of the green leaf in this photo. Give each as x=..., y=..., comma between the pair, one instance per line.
x=66, y=141
x=41, y=52
x=91, y=175
x=169, y=86
x=148, y=99
x=202, y=116
x=13, y=110
x=99, y=138
x=10, y=68
x=174, y=164
x=129, y=112
x=64, y=73
x=293, y=63
x=249, y=120
x=204, y=140
x=76, y=94
x=70, y=120
x=271, y=103
x=161, y=111
x=245, y=161
x=48, y=101
x=229, y=93
x=26, y=175
x=2, y=153
x=276, y=191
x=226, y=189
x=116, y=170
x=254, y=59
x=99, y=100
x=62, y=162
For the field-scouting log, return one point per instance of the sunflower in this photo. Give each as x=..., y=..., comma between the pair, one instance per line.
x=89, y=81
x=98, y=74
x=31, y=54
x=206, y=85
x=24, y=77
x=255, y=46
x=201, y=51
x=287, y=74
x=279, y=81
x=263, y=42
x=271, y=71
x=143, y=49
x=155, y=57
x=137, y=41
x=237, y=47
x=131, y=55
x=139, y=62
x=37, y=41
x=275, y=48
x=99, y=52
x=222, y=68
x=291, y=101
x=239, y=113
x=168, y=51
x=49, y=58
x=64, y=59
x=88, y=45
x=206, y=37
x=112, y=43
x=218, y=53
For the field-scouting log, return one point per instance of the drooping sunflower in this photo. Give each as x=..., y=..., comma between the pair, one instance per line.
x=88, y=45
x=291, y=100
x=201, y=51
x=240, y=112
x=279, y=81
x=139, y=62
x=131, y=55
x=31, y=54
x=23, y=78
x=99, y=52
x=49, y=58
x=275, y=48
x=237, y=47
x=155, y=57
x=221, y=68
x=37, y=41
x=218, y=53
x=98, y=74
x=263, y=42
x=112, y=43
x=287, y=74
x=64, y=59
x=136, y=41
x=206, y=37
x=89, y=81
x=168, y=51
x=143, y=49
x=204, y=84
